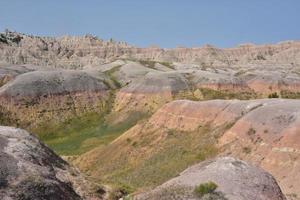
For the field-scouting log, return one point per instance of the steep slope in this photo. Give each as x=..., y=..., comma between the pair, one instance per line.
x=191, y=127
x=151, y=91
x=30, y=170
x=184, y=132
x=39, y=97
x=234, y=180
x=66, y=52
x=268, y=137
x=9, y=72
x=77, y=52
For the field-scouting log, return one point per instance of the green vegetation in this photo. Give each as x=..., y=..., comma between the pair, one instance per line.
x=3, y=39
x=223, y=94
x=6, y=118
x=246, y=150
x=260, y=57
x=292, y=196
x=251, y=131
x=273, y=95
x=151, y=164
x=205, y=188
x=81, y=134
x=151, y=64
x=209, y=94
x=121, y=191
x=110, y=74
x=290, y=95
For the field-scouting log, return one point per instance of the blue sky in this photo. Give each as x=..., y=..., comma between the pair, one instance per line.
x=167, y=23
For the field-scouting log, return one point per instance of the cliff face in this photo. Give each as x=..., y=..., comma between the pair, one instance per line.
x=76, y=52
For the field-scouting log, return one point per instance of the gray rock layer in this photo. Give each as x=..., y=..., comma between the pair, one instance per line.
x=31, y=171
x=236, y=180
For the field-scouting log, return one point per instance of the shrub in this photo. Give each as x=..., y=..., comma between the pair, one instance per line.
x=247, y=150
x=128, y=140
x=205, y=188
x=273, y=95
x=290, y=95
x=260, y=57
x=134, y=144
x=251, y=131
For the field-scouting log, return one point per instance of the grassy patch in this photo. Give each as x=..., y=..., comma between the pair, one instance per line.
x=205, y=188
x=151, y=64
x=290, y=95
x=81, y=134
x=197, y=94
x=7, y=118
x=110, y=74
x=222, y=94
x=246, y=150
x=150, y=164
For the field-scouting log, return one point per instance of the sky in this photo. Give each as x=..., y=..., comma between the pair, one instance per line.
x=166, y=23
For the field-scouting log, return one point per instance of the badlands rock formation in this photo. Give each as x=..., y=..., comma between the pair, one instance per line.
x=141, y=79
x=235, y=180
x=151, y=91
x=37, y=97
x=77, y=52
x=262, y=131
x=49, y=84
x=30, y=170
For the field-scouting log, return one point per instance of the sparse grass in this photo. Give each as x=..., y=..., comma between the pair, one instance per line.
x=292, y=196
x=222, y=94
x=151, y=64
x=121, y=191
x=246, y=150
x=81, y=134
x=205, y=188
x=163, y=160
x=290, y=95
x=110, y=74
x=205, y=152
x=148, y=63
x=7, y=119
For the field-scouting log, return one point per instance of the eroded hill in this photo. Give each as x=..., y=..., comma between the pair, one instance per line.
x=134, y=117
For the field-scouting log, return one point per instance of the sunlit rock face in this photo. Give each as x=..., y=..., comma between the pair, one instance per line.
x=76, y=52
x=52, y=96
x=264, y=132
x=151, y=91
x=235, y=180
x=268, y=136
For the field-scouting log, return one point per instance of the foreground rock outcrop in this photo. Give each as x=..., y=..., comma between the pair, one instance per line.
x=234, y=179
x=30, y=170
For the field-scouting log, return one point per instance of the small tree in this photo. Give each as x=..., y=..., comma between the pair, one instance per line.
x=205, y=188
